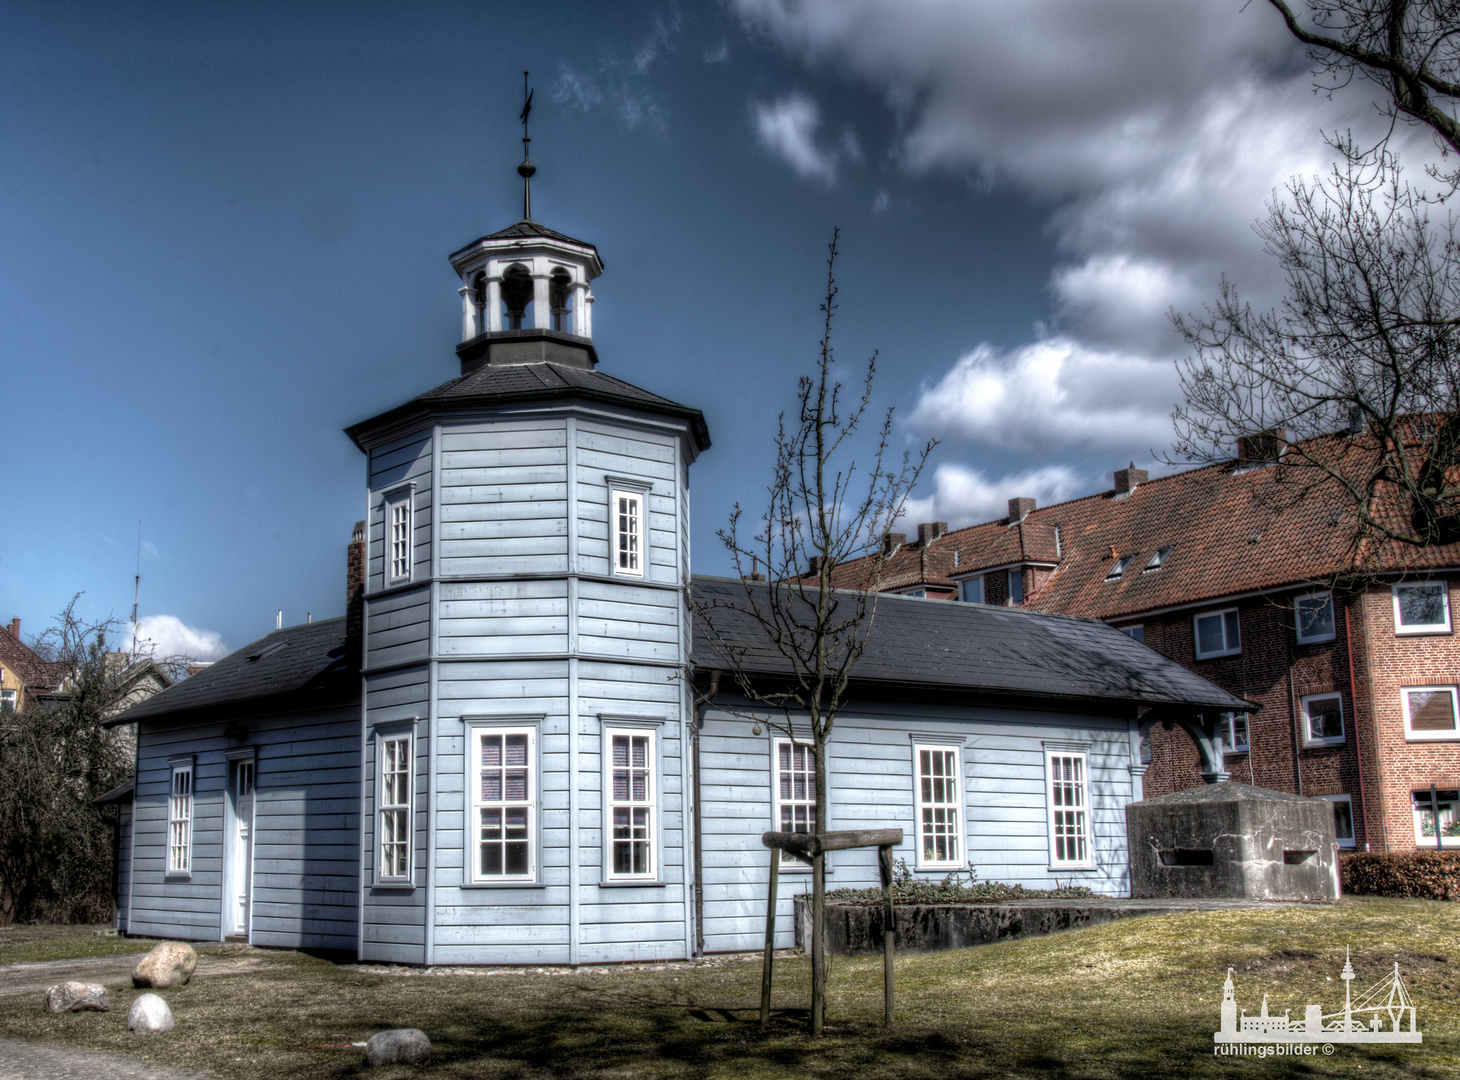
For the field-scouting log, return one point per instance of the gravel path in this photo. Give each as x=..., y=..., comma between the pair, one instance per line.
x=34, y=1061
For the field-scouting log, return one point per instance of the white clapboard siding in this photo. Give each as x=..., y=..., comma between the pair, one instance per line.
x=405, y=460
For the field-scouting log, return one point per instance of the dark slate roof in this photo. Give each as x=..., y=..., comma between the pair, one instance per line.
x=1228, y=791
x=527, y=229
x=118, y=794
x=308, y=663
x=938, y=644
x=494, y=384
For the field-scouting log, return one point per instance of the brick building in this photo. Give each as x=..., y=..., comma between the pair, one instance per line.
x=1231, y=570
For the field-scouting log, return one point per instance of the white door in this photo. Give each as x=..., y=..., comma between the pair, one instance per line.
x=242, y=845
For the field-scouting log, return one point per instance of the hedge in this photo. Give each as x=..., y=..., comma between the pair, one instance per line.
x=1425, y=875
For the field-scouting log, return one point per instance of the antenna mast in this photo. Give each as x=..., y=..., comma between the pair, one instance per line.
x=136, y=592
x=527, y=168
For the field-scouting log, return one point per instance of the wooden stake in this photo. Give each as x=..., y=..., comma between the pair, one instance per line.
x=889, y=930
x=818, y=943
x=770, y=939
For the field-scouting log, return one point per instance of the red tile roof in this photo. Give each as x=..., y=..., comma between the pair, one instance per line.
x=37, y=674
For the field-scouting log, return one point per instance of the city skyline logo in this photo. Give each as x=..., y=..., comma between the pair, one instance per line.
x=1384, y=1013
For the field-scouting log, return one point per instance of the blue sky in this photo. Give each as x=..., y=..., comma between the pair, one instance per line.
x=226, y=228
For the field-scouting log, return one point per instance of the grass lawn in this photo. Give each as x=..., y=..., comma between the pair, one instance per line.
x=27, y=944
x=1138, y=998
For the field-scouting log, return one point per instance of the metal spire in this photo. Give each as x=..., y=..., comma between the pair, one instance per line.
x=527, y=168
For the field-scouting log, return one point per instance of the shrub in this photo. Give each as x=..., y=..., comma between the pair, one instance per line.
x=1424, y=875
x=953, y=889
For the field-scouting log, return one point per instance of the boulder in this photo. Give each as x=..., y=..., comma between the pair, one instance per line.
x=398, y=1046
x=75, y=996
x=149, y=1015
x=169, y=964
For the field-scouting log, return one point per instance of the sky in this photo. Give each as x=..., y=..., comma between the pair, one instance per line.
x=224, y=232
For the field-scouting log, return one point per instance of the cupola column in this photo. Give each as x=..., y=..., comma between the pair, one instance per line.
x=580, y=310
x=494, y=302
x=542, y=316
x=469, y=328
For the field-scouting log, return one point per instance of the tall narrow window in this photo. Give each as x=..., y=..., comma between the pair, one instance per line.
x=631, y=804
x=1016, y=587
x=627, y=512
x=940, y=806
x=504, y=805
x=795, y=787
x=180, y=821
x=398, y=536
x=1343, y=818
x=1234, y=732
x=1069, y=810
x=395, y=808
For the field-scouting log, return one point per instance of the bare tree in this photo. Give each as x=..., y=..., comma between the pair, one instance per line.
x=819, y=513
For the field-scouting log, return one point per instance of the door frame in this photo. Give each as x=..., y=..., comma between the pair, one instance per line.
x=228, y=889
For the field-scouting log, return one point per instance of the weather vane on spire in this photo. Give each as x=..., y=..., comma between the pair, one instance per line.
x=527, y=168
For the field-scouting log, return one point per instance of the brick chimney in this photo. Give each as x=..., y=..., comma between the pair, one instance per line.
x=15, y=627
x=1263, y=448
x=892, y=541
x=1129, y=479
x=814, y=568
x=355, y=592
x=930, y=531
x=1019, y=509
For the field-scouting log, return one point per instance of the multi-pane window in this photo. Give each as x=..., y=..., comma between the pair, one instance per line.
x=398, y=537
x=1314, y=614
x=1343, y=818
x=795, y=787
x=1069, y=809
x=1421, y=607
x=503, y=803
x=972, y=590
x=1322, y=719
x=7, y=701
x=940, y=806
x=1234, y=732
x=1218, y=634
x=627, y=524
x=1429, y=712
x=1437, y=809
x=631, y=804
x=395, y=808
x=180, y=821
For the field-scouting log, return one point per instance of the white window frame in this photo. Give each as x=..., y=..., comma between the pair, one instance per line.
x=1230, y=745
x=813, y=805
x=1449, y=800
x=9, y=700
x=530, y=804
x=1334, y=740
x=1056, y=791
x=1343, y=800
x=181, y=803
x=1421, y=628
x=1309, y=639
x=1134, y=630
x=927, y=804
x=1016, y=574
x=649, y=805
x=970, y=590
x=400, y=512
x=638, y=534
x=401, y=831
x=1117, y=571
x=1430, y=736
x=1228, y=649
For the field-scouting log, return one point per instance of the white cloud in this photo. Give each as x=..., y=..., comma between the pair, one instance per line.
x=966, y=496
x=167, y=635
x=787, y=128
x=1048, y=395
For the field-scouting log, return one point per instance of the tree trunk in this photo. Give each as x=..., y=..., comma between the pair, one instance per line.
x=818, y=902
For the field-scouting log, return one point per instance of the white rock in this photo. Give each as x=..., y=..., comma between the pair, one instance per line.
x=149, y=1015
x=398, y=1046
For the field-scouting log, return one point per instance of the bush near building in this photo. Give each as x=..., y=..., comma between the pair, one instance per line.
x=1423, y=875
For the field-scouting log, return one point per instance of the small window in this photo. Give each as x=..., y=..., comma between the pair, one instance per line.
x=920, y=594
x=398, y=537
x=940, y=806
x=395, y=808
x=1343, y=818
x=1119, y=568
x=180, y=821
x=1069, y=810
x=503, y=805
x=1218, y=634
x=7, y=701
x=628, y=532
x=1016, y=587
x=1314, y=615
x=1322, y=719
x=631, y=804
x=1234, y=732
x=1158, y=560
x=1138, y=631
x=971, y=589
x=1429, y=712
x=795, y=794
x=1146, y=748
x=1421, y=607
x=1434, y=813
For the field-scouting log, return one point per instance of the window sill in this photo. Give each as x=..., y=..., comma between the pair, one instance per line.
x=393, y=886
x=1234, y=751
x=1318, y=744
x=1439, y=736
x=1422, y=631
x=1067, y=868
x=1218, y=655
x=1318, y=640
x=177, y=875
x=503, y=885
x=644, y=883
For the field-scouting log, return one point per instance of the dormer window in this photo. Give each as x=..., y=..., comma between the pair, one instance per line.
x=1158, y=560
x=1119, y=568
x=516, y=297
x=560, y=296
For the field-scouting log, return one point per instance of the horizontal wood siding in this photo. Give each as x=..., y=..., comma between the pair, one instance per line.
x=504, y=492
x=124, y=864
x=503, y=618
x=394, y=916
x=398, y=627
x=306, y=825
x=629, y=622
x=406, y=460
x=624, y=453
x=870, y=769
